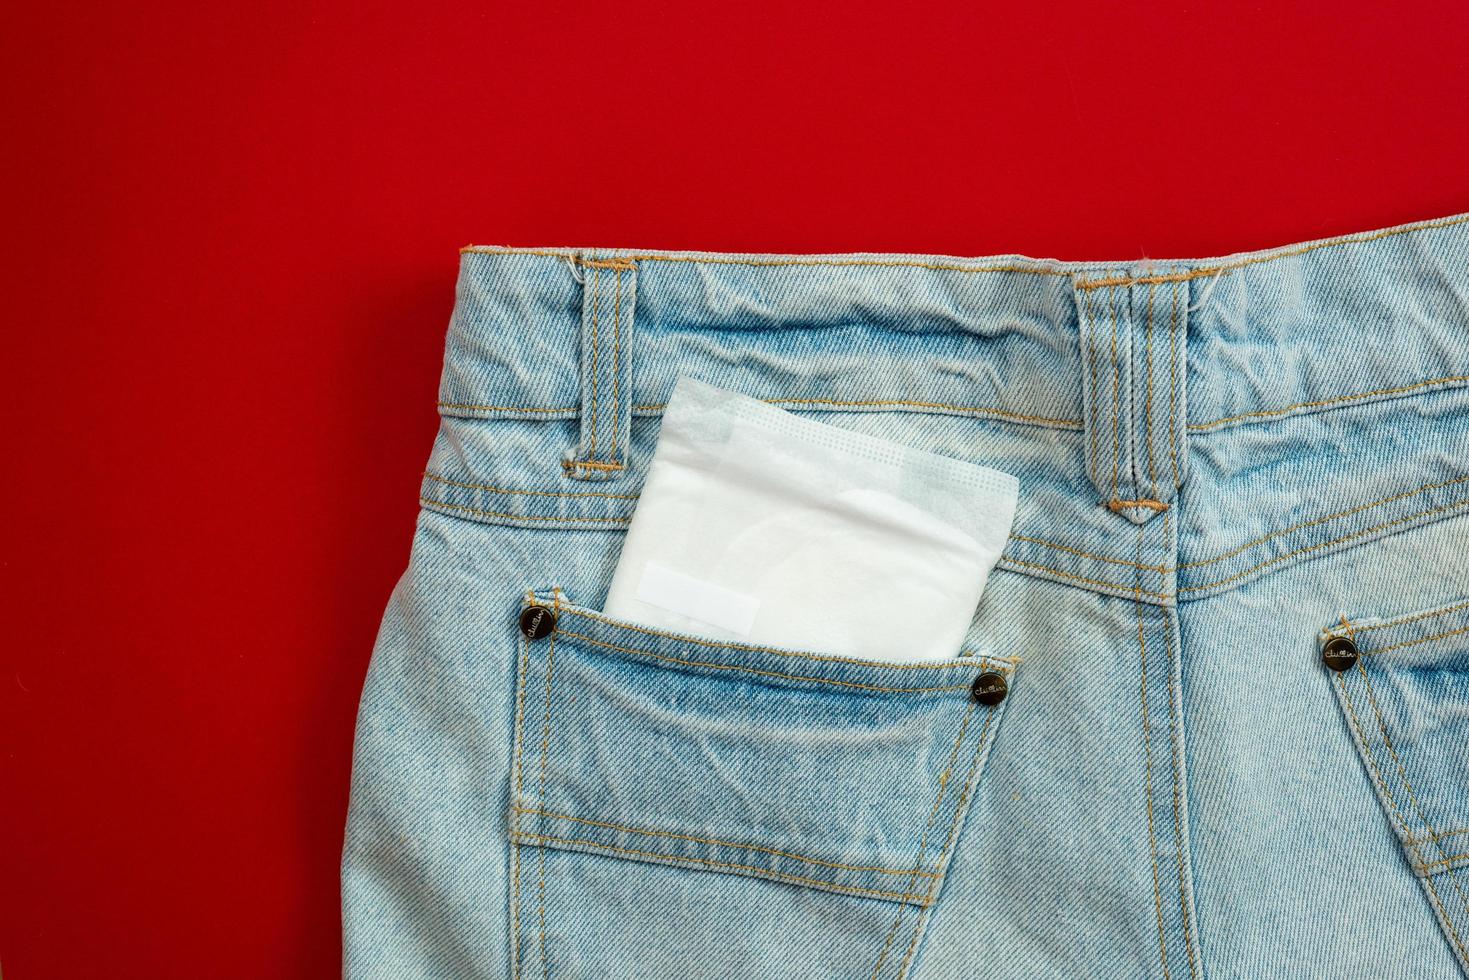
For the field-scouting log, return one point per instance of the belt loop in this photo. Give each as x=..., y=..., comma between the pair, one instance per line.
x=609, y=286
x=1133, y=327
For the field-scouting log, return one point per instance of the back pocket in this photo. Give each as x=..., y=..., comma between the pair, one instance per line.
x=1406, y=700
x=689, y=807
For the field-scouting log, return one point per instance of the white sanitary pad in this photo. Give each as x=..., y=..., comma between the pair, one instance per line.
x=760, y=526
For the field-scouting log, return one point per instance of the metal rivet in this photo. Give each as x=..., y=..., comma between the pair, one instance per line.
x=537, y=621
x=989, y=688
x=1339, y=653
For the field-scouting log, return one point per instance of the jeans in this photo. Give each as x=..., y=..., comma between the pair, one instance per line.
x=1231, y=619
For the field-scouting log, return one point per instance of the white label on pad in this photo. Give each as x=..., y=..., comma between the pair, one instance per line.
x=704, y=601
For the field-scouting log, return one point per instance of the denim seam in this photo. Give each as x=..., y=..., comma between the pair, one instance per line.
x=1459, y=504
x=523, y=517
x=466, y=406
x=944, y=855
x=1329, y=402
x=943, y=780
x=1444, y=864
x=1173, y=428
x=763, y=673
x=616, y=358
x=1403, y=774
x=1414, y=618
x=1322, y=520
x=1148, y=398
x=914, y=872
x=753, y=648
x=1089, y=581
x=756, y=871
x=715, y=259
x=524, y=651
x=999, y=414
x=545, y=751
x=1090, y=413
x=532, y=493
x=1160, y=569
x=1395, y=815
x=1202, y=272
x=1116, y=396
x=596, y=303
x=1148, y=773
x=898, y=404
x=1415, y=642
x=1175, y=733
x=1441, y=835
x=573, y=465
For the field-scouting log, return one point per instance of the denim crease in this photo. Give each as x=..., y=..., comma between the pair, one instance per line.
x=1224, y=465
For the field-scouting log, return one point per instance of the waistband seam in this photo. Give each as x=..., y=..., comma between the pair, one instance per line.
x=1026, y=265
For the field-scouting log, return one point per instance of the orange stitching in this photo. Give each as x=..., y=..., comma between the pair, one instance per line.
x=1116, y=397
x=514, y=822
x=1121, y=505
x=1288, y=253
x=1325, y=544
x=1148, y=771
x=1161, y=569
x=1396, y=815
x=721, y=645
x=1441, y=835
x=1077, y=578
x=953, y=836
x=616, y=355
x=761, y=872
x=1322, y=520
x=1431, y=614
x=570, y=464
x=545, y=745
x=933, y=812
x=1094, y=462
x=1422, y=639
x=522, y=517
x=596, y=302
x=618, y=264
x=1148, y=401
x=1441, y=862
x=503, y=408
x=1188, y=943
x=714, y=259
x=1173, y=393
x=533, y=493
x=994, y=413
x=1203, y=426
x=997, y=414
x=1403, y=774
x=762, y=673
x=725, y=843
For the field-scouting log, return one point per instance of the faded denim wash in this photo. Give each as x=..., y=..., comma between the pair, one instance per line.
x=1230, y=470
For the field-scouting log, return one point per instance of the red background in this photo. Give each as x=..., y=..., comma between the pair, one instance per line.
x=230, y=246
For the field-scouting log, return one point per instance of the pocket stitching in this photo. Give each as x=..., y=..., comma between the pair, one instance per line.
x=755, y=648
x=756, y=871
x=969, y=784
x=917, y=872
x=1396, y=815
x=767, y=673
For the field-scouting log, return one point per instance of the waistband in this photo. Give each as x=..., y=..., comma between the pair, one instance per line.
x=1140, y=358
x=1271, y=332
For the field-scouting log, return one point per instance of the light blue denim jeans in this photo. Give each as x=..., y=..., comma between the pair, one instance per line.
x=1233, y=616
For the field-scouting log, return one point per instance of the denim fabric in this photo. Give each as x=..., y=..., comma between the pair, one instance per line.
x=1223, y=464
